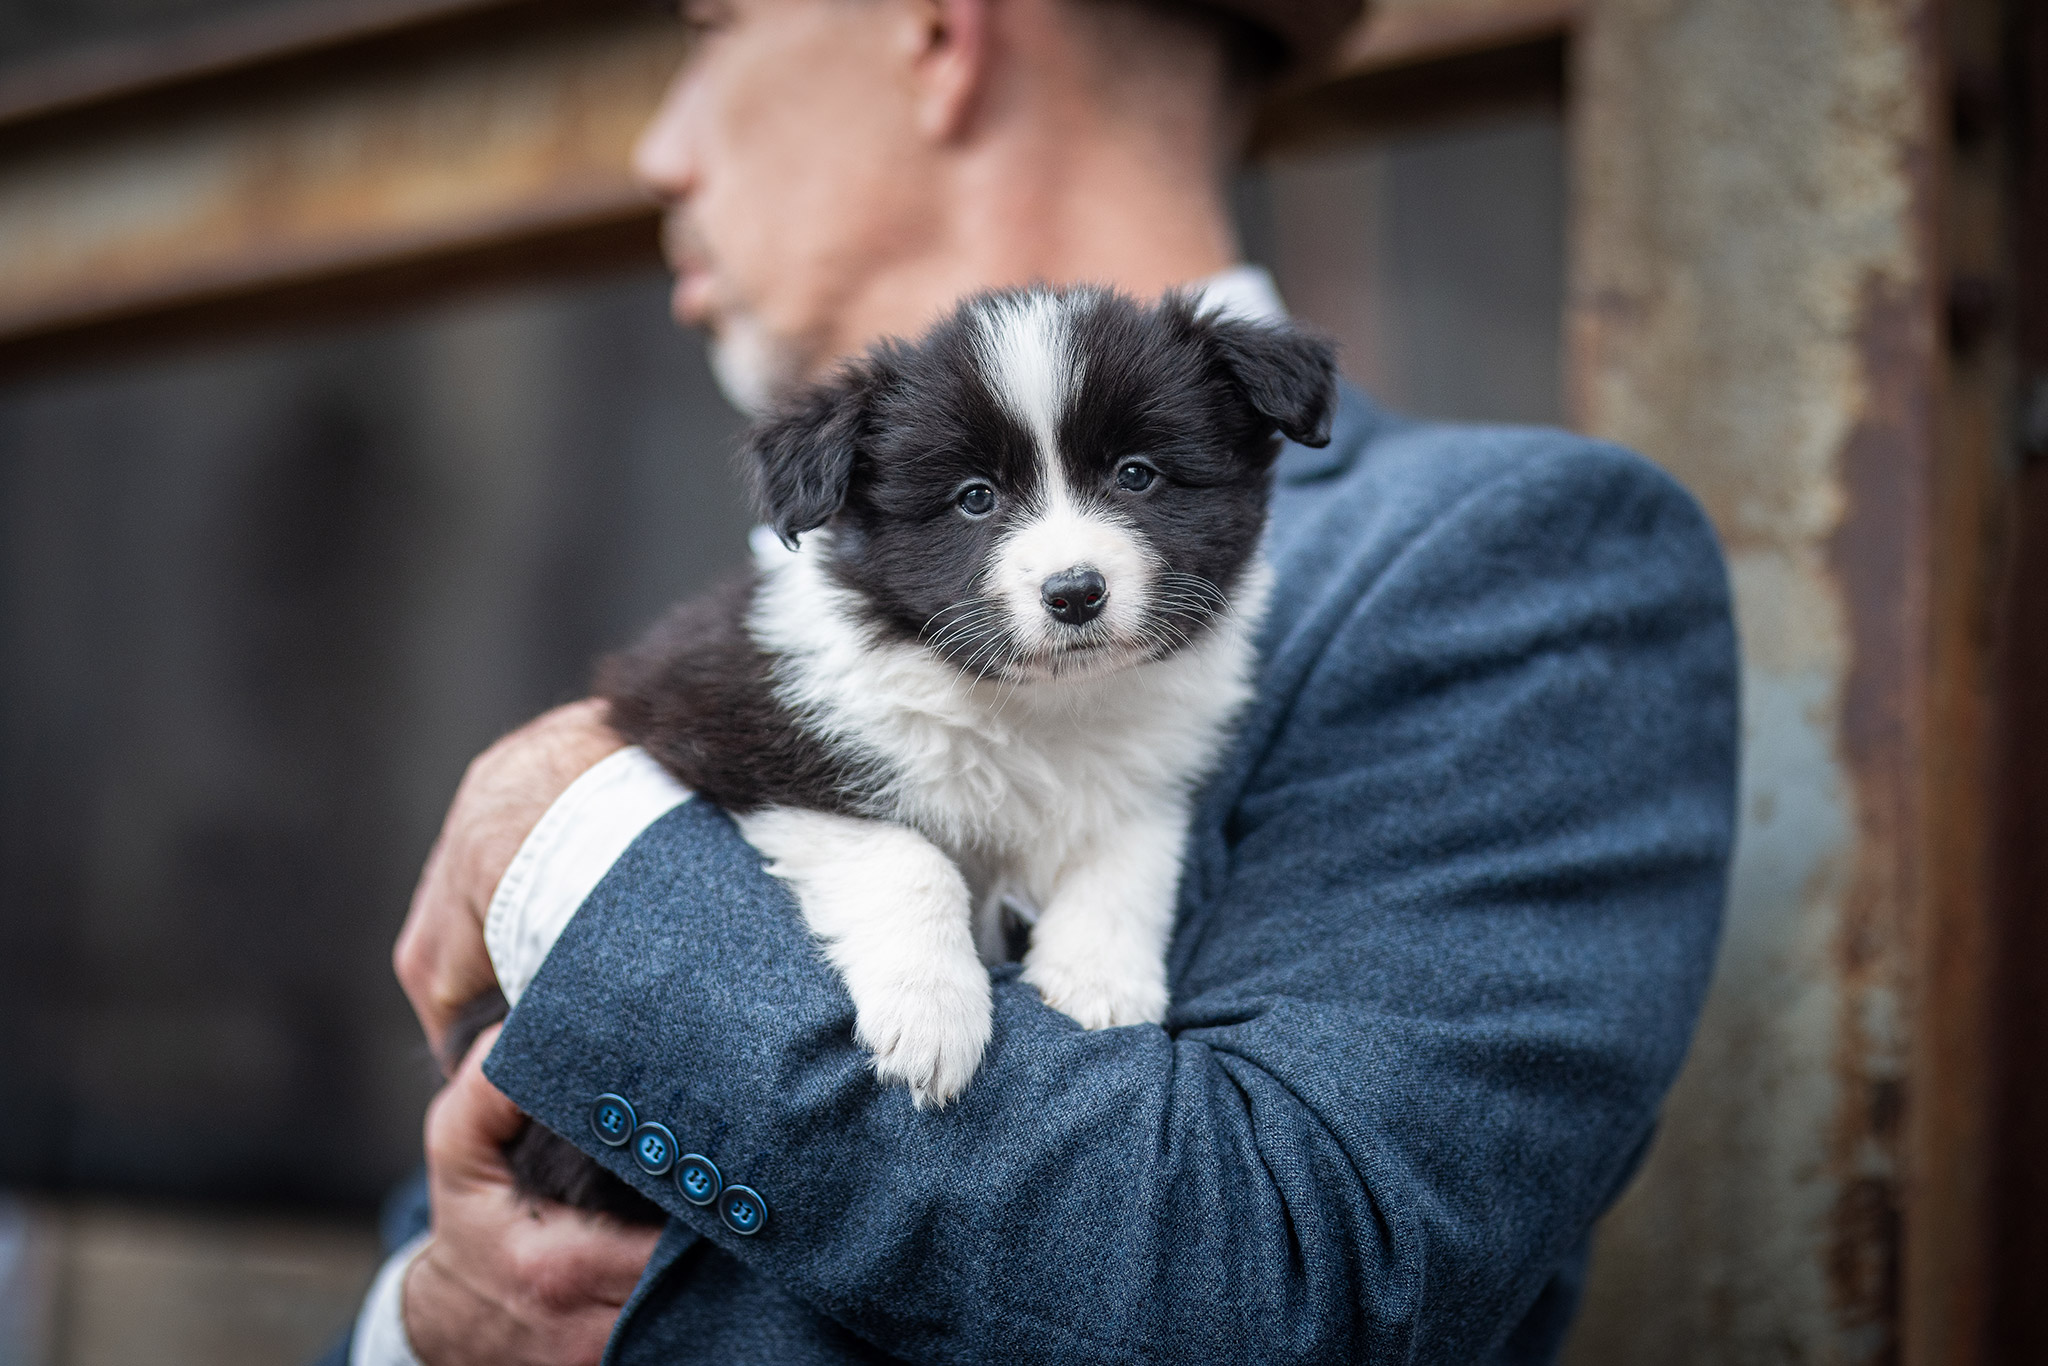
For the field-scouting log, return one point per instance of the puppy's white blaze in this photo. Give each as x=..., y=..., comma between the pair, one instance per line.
x=1028, y=360
x=1030, y=363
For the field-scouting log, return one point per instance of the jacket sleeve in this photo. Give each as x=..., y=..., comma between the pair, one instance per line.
x=1447, y=930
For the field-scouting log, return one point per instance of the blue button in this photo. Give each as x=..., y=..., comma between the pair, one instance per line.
x=613, y=1119
x=654, y=1148
x=698, y=1179
x=743, y=1210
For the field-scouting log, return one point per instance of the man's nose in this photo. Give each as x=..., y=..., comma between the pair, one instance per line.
x=1075, y=596
x=663, y=160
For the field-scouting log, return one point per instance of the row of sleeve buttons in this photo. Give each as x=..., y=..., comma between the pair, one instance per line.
x=654, y=1147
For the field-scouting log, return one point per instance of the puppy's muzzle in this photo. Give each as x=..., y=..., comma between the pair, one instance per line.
x=1075, y=596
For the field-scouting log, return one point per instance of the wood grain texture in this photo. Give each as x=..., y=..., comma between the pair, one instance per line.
x=121, y=71
x=263, y=181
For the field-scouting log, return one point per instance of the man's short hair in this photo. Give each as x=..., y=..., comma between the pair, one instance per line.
x=1259, y=40
x=1146, y=44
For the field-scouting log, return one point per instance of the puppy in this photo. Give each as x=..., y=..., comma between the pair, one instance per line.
x=1009, y=635
x=1004, y=637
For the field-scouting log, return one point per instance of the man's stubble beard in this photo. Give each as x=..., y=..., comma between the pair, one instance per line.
x=754, y=368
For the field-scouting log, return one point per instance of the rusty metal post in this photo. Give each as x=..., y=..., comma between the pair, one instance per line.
x=1755, y=303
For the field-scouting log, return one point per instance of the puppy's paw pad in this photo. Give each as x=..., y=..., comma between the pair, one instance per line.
x=1096, y=999
x=928, y=1037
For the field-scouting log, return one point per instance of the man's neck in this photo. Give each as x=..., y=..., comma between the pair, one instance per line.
x=1109, y=211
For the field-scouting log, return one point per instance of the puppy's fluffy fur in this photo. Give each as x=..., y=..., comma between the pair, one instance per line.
x=1005, y=636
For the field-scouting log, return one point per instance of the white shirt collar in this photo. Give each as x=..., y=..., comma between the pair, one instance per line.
x=1246, y=292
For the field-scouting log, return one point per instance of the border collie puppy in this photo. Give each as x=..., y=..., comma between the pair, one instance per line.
x=1007, y=638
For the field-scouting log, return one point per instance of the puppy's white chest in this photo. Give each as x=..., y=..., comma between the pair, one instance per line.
x=1040, y=776
x=1015, y=779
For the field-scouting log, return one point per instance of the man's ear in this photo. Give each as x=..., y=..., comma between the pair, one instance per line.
x=950, y=63
x=1287, y=375
x=800, y=460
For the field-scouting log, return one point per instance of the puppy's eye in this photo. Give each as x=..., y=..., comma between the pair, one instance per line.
x=1135, y=476
x=977, y=500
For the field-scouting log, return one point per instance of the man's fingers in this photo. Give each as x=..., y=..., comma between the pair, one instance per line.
x=470, y=1122
x=568, y=1259
x=440, y=956
x=461, y=1314
x=616, y=1257
x=572, y=1256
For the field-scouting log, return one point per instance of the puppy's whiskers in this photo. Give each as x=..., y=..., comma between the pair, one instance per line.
x=969, y=628
x=994, y=650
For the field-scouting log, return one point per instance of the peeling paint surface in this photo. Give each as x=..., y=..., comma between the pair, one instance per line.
x=1749, y=307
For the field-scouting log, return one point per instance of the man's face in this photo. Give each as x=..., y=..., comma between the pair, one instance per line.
x=787, y=152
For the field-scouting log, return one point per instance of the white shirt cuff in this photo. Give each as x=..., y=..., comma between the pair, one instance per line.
x=380, y=1338
x=576, y=843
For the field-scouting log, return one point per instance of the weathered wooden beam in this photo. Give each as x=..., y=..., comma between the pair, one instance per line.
x=1423, y=63
x=121, y=72
x=275, y=177
x=372, y=149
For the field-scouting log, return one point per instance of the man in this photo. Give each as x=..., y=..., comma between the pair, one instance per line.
x=1447, y=916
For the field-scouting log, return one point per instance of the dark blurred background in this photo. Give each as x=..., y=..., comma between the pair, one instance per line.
x=262, y=604
x=32, y=29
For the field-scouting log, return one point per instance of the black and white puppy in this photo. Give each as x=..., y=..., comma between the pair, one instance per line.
x=1008, y=637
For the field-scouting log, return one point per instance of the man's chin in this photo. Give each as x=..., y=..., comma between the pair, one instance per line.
x=752, y=368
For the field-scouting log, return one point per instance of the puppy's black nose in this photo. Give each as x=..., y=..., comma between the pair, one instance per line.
x=1075, y=596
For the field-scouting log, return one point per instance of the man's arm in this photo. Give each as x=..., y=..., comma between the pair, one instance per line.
x=1433, y=975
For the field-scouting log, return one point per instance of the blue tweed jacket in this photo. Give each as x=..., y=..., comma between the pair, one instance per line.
x=1449, y=914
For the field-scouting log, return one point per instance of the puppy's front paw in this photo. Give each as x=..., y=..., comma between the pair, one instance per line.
x=928, y=1032
x=1098, y=995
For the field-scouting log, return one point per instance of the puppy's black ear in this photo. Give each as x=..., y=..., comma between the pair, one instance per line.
x=800, y=460
x=1288, y=376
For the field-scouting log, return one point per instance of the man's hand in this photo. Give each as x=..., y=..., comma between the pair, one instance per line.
x=508, y=1281
x=440, y=956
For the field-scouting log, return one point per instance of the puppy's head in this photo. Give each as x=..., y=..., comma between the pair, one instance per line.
x=1049, y=483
